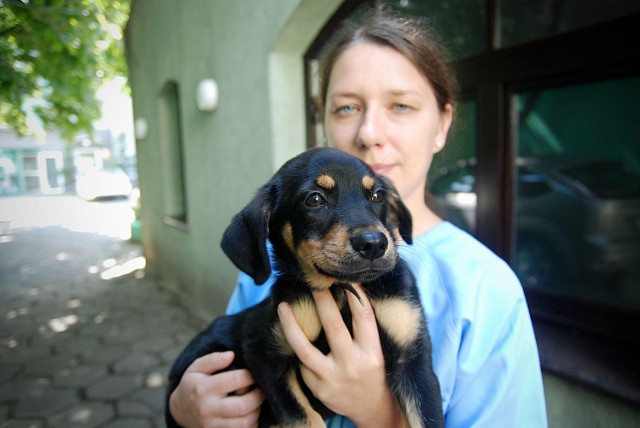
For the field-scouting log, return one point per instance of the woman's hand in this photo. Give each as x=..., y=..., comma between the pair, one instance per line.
x=350, y=380
x=202, y=398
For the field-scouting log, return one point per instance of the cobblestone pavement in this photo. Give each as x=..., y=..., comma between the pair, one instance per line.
x=86, y=338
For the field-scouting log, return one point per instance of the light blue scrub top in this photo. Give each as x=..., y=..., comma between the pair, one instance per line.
x=484, y=350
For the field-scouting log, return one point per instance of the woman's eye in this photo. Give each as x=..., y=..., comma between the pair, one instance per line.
x=345, y=109
x=315, y=200
x=401, y=107
x=377, y=196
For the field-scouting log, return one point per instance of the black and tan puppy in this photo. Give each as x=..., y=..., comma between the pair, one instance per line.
x=331, y=222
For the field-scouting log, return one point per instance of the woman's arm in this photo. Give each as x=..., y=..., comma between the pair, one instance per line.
x=202, y=398
x=499, y=380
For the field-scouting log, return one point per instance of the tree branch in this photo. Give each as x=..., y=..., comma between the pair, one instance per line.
x=10, y=30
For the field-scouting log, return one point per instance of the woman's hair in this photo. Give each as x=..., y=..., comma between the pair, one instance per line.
x=408, y=36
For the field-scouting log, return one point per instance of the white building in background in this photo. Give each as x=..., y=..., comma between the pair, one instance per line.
x=43, y=164
x=46, y=164
x=31, y=165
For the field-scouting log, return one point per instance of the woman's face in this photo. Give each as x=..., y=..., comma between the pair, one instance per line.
x=382, y=110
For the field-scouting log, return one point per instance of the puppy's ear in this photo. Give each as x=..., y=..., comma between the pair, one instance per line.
x=399, y=215
x=245, y=239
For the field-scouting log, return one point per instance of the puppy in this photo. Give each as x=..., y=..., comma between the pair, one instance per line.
x=332, y=222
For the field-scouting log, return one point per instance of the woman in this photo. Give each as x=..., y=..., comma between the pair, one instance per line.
x=388, y=99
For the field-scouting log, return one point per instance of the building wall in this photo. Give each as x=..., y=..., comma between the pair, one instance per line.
x=254, y=51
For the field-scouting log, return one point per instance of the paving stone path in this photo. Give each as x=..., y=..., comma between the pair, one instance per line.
x=86, y=338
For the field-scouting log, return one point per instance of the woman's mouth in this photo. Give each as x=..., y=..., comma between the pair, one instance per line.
x=381, y=169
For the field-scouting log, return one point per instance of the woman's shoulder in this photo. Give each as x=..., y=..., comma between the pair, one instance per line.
x=447, y=238
x=458, y=252
x=465, y=269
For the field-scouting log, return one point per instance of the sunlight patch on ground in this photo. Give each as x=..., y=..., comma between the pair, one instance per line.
x=74, y=303
x=118, y=270
x=101, y=317
x=16, y=313
x=61, y=324
x=81, y=416
x=109, y=263
x=155, y=380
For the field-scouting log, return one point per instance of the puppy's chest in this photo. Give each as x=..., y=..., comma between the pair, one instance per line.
x=400, y=319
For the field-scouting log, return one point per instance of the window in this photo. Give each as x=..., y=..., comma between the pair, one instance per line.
x=528, y=20
x=452, y=176
x=9, y=179
x=172, y=153
x=545, y=150
x=50, y=167
x=30, y=170
x=458, y=23
x=577, y=202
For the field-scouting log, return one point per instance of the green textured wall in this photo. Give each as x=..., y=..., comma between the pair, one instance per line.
x=253, y=48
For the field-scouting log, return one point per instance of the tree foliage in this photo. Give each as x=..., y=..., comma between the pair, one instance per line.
x=59, y=52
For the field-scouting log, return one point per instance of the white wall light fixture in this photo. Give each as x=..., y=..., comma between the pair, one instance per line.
x=207, y=95
x=141, y=128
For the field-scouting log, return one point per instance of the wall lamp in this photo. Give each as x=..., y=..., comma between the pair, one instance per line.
x=207, y=95
x=141, y=128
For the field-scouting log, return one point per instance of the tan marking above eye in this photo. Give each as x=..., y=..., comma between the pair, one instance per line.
x=368, y=182
x=326, y=182
x=399, y=318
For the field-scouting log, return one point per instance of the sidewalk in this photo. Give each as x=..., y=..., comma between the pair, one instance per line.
x=86, y=339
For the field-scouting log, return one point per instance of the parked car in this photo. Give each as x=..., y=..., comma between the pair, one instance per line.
x=103, y=183
x=572, y=215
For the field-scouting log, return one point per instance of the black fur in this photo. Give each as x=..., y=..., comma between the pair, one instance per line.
x=354, y=222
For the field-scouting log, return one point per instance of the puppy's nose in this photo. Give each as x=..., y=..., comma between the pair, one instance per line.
x=370, y=244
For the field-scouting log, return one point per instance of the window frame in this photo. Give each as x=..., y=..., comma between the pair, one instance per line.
x=172, y=154
x=581, y=340
x=496, y=78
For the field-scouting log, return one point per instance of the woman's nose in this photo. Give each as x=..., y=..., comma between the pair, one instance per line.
x=371, y=129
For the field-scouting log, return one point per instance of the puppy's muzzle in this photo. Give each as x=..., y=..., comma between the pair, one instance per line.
x=370, y=244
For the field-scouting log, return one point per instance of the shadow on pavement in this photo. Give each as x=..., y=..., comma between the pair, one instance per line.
x=86, y=338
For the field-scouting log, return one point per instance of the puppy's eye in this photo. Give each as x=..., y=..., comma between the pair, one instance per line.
x=377, y=196
x=315, y=200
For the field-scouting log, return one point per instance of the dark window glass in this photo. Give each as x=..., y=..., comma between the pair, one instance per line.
x=452, y=176
x=527, y=20
x=30, y=162
x=606, y=179
x=461, y=24
x=578, y=192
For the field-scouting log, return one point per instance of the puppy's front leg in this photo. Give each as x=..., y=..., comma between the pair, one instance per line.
x=417, y=389
x=289, y=404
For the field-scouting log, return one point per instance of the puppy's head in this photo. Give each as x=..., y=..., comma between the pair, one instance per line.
x=329, y=218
